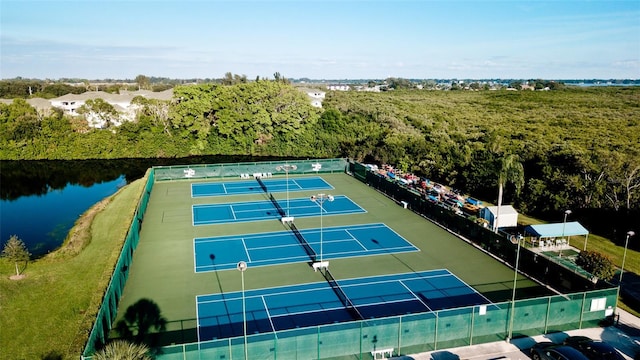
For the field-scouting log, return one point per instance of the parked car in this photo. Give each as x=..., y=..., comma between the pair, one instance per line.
x=551, y=351
x=594, y=350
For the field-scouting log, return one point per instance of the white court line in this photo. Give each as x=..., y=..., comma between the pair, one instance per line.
x=225, y=189
x=474, y=290
x=246, y=251
x=266, y=309
x=340, y=307
x=356, y=240
x=195, y=267
x=414, y=294
x=258, y=236
x=296, y=183
x=385, y=302
x=396, y=280
x=324, y=286
x=233, y=213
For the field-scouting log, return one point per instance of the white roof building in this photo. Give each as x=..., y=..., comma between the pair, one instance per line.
x=316, y=96
x=70, y=103
x=508, y=216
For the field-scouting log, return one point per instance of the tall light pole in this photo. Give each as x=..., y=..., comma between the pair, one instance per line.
x=624, y=257
x=513, y=296
x=564, y=224
x=320, y=199
x=286, y=168
x=242, y=266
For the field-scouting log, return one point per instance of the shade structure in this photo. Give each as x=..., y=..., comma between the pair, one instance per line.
x=556, y=230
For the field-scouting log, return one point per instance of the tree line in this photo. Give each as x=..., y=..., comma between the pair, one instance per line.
x=578, y=148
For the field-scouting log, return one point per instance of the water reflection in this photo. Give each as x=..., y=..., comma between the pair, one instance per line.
x=41, y=200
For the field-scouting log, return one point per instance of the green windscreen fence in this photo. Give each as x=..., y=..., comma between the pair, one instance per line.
x=107, y=312
x=410, y=334
x=250, y=169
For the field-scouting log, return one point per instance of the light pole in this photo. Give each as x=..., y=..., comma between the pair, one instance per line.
x=624, y=257
x=564, y=224
x=320, y=199
x=242, y=266
x=286, y=168
x=513, y=296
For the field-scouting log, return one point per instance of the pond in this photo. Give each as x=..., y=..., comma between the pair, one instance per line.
x=42, y=222
x=41, y=200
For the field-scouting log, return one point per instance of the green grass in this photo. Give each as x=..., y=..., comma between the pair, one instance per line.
x=51, y=311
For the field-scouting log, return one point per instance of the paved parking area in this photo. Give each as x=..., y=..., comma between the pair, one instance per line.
x=625, y=337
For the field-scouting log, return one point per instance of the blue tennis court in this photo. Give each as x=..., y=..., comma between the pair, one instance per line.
x=282, y=247
x=254, y=186
x=266, y=210
x=288, y=307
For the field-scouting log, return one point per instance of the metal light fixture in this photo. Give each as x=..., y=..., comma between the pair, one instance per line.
x=320, y=199
x=515, y=282
x=286, y=168
x=242, y=266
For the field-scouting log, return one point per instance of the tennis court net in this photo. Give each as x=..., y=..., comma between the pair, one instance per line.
x=275, y=203
x=303, y=242
x=341, y=295
x=262, y=185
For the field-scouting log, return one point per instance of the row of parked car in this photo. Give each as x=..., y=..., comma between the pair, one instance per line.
x=575, y=348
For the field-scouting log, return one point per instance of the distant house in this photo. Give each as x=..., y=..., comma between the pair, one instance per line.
x=316, y=96
x=508, y=216
x=338, y=87
x=70, y=103
x=67, y=104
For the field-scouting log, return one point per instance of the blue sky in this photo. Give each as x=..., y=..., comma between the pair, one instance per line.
x=332, y=39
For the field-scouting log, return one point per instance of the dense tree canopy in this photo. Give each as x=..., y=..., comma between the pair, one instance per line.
x=578, y=147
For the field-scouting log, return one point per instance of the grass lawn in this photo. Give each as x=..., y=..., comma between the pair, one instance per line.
x=50, y=312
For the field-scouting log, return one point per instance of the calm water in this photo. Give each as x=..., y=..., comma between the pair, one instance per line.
x=41, y=200
x=43, y=221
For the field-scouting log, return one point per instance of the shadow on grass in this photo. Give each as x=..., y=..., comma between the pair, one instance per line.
x=52, y=355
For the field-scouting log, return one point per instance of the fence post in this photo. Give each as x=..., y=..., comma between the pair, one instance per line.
x=584, y=299
x=546, y=319
x=360, y=355
x=399, y=333
x=435, y=336
x=473, y=316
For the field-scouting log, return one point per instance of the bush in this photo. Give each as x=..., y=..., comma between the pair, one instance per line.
x=597, y=264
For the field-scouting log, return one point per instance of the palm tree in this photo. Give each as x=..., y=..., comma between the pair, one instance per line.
x=123, y=350
x=510, y=170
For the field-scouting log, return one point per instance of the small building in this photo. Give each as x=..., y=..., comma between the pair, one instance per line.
x=508, y=216
x=555, y=234
x=315, y=96
x=338, y=87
